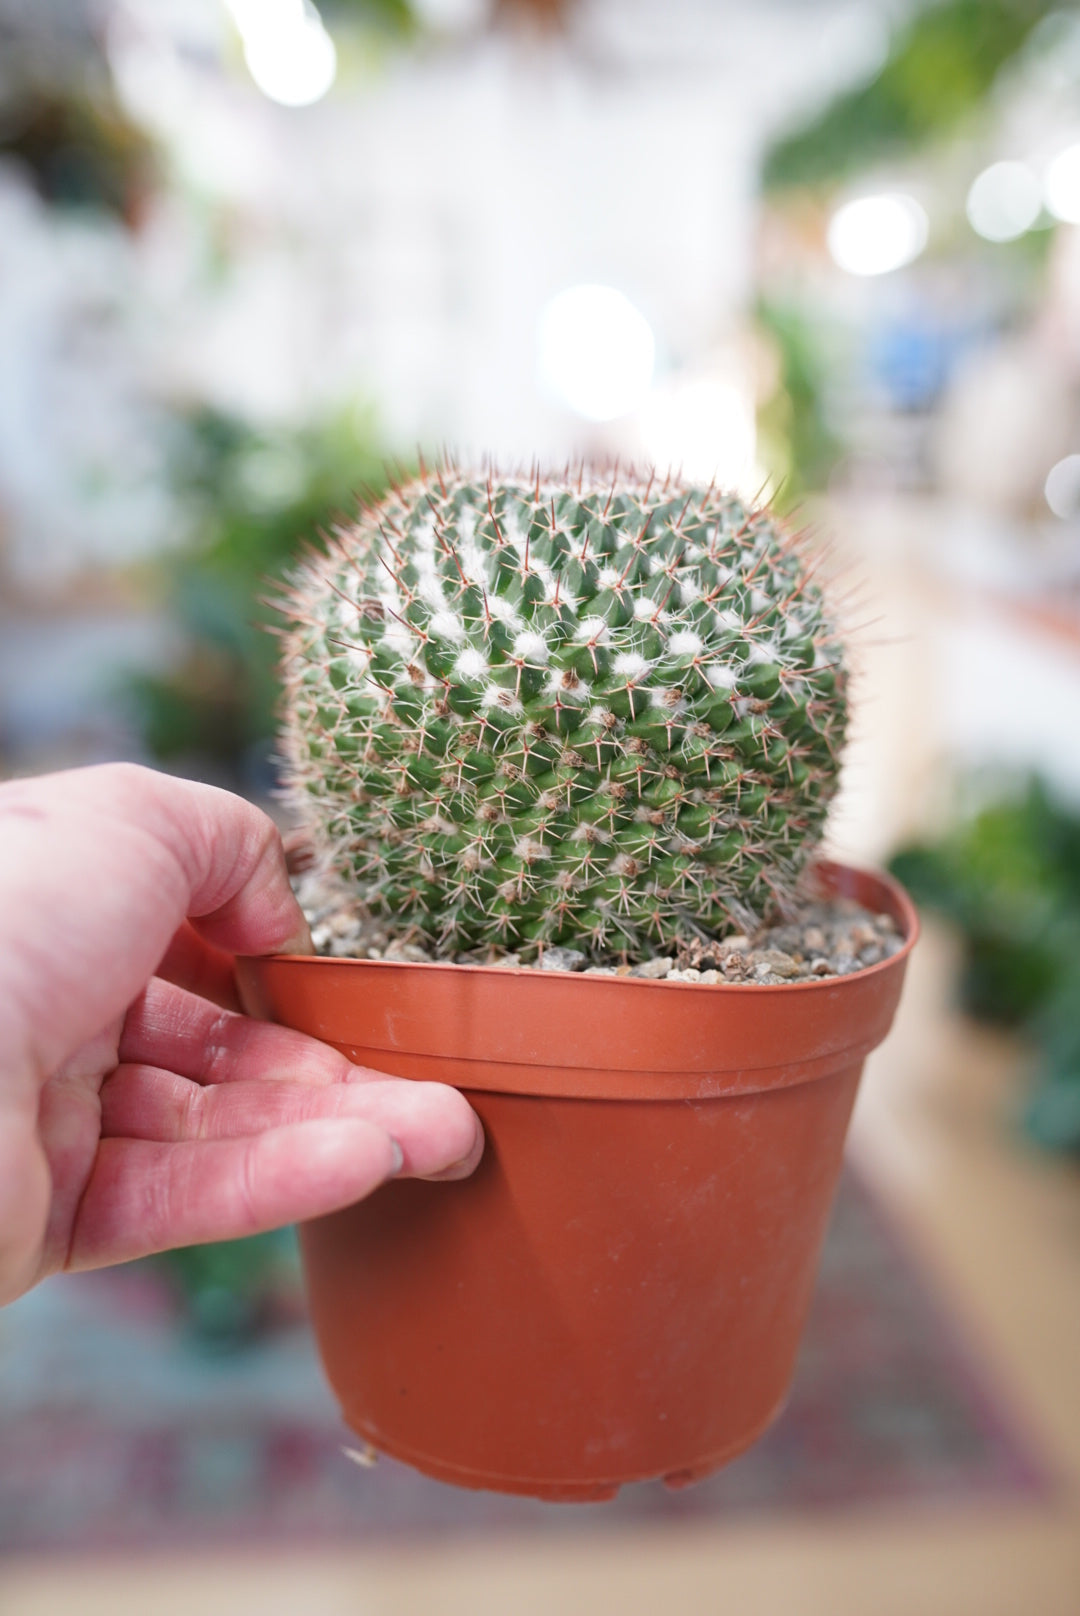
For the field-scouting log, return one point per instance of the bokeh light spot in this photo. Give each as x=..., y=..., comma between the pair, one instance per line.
x=1062, y=185
x=288, y=52
x=1004, y=201
x=596, y=352
x=875, y=234
x=1062, y=487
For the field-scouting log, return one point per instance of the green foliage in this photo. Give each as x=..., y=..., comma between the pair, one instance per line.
x=940, y=67
x=562, y=711
x=798, y=445
x=252, y=499
x=80, y=151
x=229, y=1291
x=392, y=16
x=1009, y=878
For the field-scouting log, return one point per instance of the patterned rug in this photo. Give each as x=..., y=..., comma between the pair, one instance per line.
x=117, y=1432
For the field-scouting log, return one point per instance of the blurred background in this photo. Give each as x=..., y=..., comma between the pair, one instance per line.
x=259, y=255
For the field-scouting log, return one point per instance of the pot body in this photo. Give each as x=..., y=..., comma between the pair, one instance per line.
x=619, y=1291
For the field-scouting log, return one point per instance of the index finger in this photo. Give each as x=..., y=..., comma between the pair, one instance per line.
x=99, y=868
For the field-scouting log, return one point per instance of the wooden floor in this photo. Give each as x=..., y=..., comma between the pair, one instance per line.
x=1000, y=1228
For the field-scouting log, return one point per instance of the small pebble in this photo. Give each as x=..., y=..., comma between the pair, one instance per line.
x=563, y=959
x=599, y=970
x=408, y=952
x=775, y=961
x=652, y=969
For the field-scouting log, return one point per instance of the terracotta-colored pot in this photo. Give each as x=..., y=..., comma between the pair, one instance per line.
x=619, y=1291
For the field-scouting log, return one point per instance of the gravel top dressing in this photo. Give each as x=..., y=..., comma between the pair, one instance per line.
x=821, y=938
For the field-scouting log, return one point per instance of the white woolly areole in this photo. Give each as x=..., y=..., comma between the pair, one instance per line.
x=644, y=606
x=609, y=576
x=466, y=524
x=358, y=657
x=511, y=529
x=528, y=850
x=587, y=833
x=729, y=618
x=471, y=664
x=499, y=696
x=503, y=609
x=685, y=643
x=546, y=576
x=593, y=629
x=387, y=590
x=720, y=675
x=759, y=600
x=764, y=651
x=424, y=533
x=689, y=587
x=474, y=562
x=430, y=590
x=531, y=646
x=631, y=663
x=398, y=637
x=448, y=626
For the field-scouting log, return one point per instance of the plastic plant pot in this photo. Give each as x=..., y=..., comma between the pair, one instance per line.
x=619, y=1291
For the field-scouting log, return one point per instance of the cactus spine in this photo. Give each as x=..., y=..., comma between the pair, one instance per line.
x=523, y=711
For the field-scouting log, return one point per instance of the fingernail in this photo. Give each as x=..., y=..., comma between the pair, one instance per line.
x=399, y=1159
x=299, y=943
x=462, y=1168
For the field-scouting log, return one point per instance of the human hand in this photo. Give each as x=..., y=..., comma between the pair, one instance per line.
x=138, y=1109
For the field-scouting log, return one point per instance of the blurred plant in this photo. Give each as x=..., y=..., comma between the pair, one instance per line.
x=1008, y=877
x=392, y=16
x=251, y=500
x=940, y=67
x=231, y=1292
x=796, y=442
x=60, y=119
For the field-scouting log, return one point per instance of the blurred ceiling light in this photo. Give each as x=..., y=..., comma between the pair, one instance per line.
x=702, y=427
x=596, y=351
x=288, y=52
x=875, y=234
x=1062, y=487
x=1004, y=201
x=1061, y=186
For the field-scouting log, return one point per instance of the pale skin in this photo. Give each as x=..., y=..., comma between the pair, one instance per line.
x=139, y=1109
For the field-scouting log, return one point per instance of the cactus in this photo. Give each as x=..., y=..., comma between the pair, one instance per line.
x=549, y=710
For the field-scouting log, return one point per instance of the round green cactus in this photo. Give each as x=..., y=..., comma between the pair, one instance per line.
x=523, y=711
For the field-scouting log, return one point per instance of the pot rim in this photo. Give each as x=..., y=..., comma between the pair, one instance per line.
x=904, y=912
x=538, y=1032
